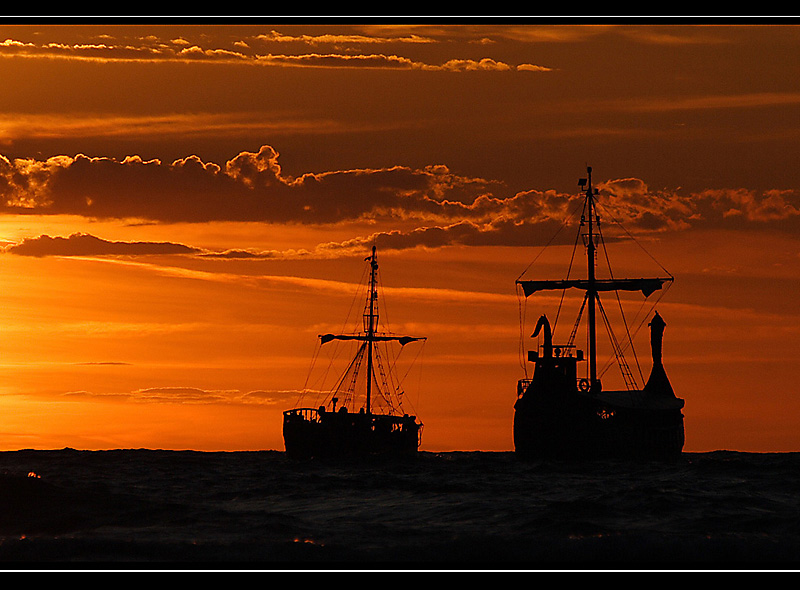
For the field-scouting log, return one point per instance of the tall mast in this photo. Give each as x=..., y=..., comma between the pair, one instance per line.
x=592, y=287
x=370, y=334
x=371, y=320
x=368, y=337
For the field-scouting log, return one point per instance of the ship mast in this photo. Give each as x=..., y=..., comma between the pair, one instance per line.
x=371, y=320
x=370, y=335
x=591, y=291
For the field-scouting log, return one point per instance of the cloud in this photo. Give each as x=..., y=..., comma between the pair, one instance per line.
x=152, y=49
x=82, y=244
x=637, y=206
x=104, y=363
x=182, y=395
x=445, y=207
x=252, y=187
x=192, y=395
x=14, y=126
x=270, y=397
x=705, y=102
x=253, y=254
x=500, y=232
x=86, y=245
x=332, y=60
x=393, y=62
x=338, y=39
x=269, y=281
x=249, y=187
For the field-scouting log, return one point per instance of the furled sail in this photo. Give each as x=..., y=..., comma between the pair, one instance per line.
x=646, y=286
x=324, y=338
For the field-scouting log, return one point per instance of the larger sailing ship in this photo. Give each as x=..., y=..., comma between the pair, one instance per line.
x=560, y=414
x=348, y=423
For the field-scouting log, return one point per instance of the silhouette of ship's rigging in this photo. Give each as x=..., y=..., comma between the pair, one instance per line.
x=355, y=428
x=559, y=415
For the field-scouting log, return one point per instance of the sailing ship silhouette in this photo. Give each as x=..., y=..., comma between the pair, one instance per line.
x=559, y=415
x=355, y=428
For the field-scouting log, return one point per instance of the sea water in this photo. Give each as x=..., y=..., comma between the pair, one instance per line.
x=450, y=510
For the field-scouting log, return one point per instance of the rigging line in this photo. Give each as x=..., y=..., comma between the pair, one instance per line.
x=621, y=311
x=322, y=391
x=563, y=225
x=317, y=349
x=572, y=335
x=420, y=354
x=336, y=344
x=412, y=363
x=396, y=381
x=402, y=379
x=333, y=355
x=382, y=390
x=627, y=376
x=655, y=303
x=660, y=296
x=630, y=338
x=392, y=393
x=618, y=356
x=386, y=375
x=522, y=300
x=608, y=364
x=358, y=296
x=522, y=308
x=354, y=365
x=384, y=316
x=619, y=223
x=643, y=319
x=569, y=271
x=395, y=359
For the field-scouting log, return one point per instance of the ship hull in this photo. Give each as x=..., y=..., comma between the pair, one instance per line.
x=579, y=426
x=309, y=433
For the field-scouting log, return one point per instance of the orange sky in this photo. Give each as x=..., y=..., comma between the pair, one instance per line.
x=184, y=207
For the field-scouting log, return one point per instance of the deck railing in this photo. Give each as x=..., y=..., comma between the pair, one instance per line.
x=307, y=414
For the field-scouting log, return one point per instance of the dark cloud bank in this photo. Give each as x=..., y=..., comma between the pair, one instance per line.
x=447, y=208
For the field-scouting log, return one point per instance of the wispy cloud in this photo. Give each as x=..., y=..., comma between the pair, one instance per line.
x=190, y=395
x=14, y=126
x=338, y=39
x=707, y=102
x=179, y=50
x=282, y=282
x=394, y=62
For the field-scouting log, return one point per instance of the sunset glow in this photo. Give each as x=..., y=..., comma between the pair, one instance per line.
x=185, y=207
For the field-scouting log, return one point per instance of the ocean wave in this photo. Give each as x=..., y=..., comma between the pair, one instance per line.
x=460, y=510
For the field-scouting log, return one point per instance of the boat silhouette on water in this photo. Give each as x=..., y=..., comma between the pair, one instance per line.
x=351, y=421
x=560, y=414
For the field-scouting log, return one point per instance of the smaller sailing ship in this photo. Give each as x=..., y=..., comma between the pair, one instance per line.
x=561, y=415
x=355, y=427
